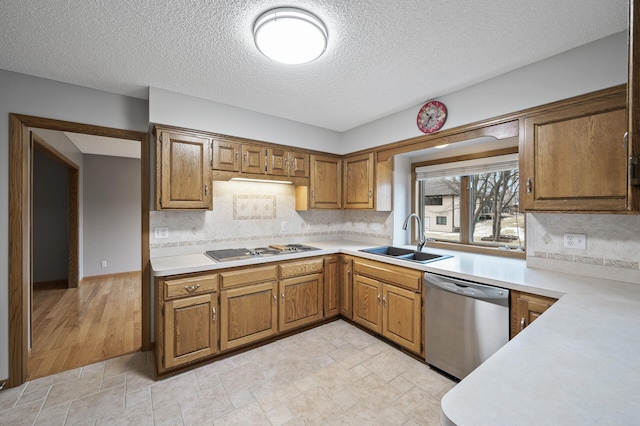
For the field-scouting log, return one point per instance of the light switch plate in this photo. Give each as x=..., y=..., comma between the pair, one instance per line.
x=161, y=232
x=575, y=241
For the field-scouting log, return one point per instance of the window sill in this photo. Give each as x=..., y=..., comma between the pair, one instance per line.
x=491, y=251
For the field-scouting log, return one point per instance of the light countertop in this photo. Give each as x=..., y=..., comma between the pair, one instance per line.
x=577, y=364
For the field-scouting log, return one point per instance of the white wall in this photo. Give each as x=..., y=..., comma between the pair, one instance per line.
x=591, y=67
x=194, y=113
x=27, y=95
x=112, y=226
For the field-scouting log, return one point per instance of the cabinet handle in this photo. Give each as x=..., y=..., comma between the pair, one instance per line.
x=236, y=156
x=192, y=288
x=286, y=163
x=313, y=194
x=625, y=140
x=206, y=190
x=246, y=157
x=293, y=164
x=275, y=299
x=349, y=272
x=283, y=297
x=522, y=323
x=529, y=185
x=384, y=301
x=213, y=314
x=370, y=194
x=378, y=298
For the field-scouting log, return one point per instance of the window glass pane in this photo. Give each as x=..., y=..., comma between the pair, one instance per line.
x=441, y=208
x=496, y=219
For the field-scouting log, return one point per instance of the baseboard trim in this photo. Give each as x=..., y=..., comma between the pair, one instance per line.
x=117, y=274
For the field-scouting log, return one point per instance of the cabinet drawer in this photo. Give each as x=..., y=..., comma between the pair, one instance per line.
x=305, y=267
x=192, y=285
x=247, y=276
x=405, y=277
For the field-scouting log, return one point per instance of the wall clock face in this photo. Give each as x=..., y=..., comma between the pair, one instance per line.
x=432, y=116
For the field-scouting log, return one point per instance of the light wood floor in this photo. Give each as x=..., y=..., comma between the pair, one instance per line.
x=100, y=319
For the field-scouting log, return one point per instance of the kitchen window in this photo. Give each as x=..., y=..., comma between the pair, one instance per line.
x=478, y=202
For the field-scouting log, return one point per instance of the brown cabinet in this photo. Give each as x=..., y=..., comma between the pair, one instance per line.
x=281, y=162
x=183, y=170
x=226, y=155
x=188, y=317
x=345, y=298
x=325, y=181
x=332, y=277
x=248, y=305
x=301, y=293
x=253, y=159
x=574, y=157
x=387, y=300
x=359, y=184
x=526, y=308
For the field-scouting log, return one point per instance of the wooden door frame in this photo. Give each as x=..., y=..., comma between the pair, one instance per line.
x=73, y=216
x=19, y=229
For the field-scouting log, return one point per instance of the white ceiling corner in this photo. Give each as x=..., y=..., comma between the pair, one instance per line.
x=383, y=56
x=100, y=145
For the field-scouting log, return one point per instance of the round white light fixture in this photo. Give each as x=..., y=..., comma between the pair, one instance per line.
x=290, y=35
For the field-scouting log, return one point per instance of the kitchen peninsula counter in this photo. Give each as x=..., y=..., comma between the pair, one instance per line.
x=576, y=364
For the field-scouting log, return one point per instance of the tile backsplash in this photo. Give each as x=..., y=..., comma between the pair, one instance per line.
x=250, y=214
x=612, y=244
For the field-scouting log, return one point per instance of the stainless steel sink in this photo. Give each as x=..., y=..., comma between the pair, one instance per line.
x=388, y=251
x=405, y=254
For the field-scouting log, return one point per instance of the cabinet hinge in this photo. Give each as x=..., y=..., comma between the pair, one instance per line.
x=634, y=171
x=160, y=138
x=162, y=309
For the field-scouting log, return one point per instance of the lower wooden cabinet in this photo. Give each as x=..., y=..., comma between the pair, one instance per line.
x=331, y=286
x=248, y=314
x=190, y=329
x=526, y=308
x=345, y=286
x=388, y=309
x=301, y=301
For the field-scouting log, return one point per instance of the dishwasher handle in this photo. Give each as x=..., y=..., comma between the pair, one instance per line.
x=468, y=289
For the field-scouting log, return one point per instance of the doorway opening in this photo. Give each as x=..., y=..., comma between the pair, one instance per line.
x=24, y=313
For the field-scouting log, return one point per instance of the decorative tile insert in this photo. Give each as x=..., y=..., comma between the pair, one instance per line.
x=247, y=207
x=588, y=260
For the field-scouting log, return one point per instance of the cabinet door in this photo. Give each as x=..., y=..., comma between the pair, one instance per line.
x=367, y=303
x=191, y=329
x=253, y=159
x=226, y=155
x=248, y=314
x=301, y=301
x=277, y=162
x=331, y=286
x=298, y=164
x=633, y=99
x=526, y=308
x=358, y=182
x=325, y=182
x=346, y=287
x=401, y=317
x=184, y=171
x=575, y=157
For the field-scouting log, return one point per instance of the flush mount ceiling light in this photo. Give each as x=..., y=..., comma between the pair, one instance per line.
x=290, y=35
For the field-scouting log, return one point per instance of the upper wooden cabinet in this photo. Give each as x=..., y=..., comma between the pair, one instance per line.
x=253, y=159
x=575, y=156
x=325, y=182
x=226, y=155
x=281, y=162
x=358, y=184
x=183, y=170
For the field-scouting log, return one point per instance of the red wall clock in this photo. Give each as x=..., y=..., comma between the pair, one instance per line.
x=431, y=117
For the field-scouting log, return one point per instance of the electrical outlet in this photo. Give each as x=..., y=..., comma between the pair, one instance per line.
x=575, y=241
x=103, y=264
x=284, y=226
x=161, y=232
x=375, y=226
x=309, y=225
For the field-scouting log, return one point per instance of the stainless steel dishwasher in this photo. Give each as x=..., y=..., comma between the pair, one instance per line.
x=465, y=323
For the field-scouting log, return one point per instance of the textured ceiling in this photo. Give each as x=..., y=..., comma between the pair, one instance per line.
x=383, y=56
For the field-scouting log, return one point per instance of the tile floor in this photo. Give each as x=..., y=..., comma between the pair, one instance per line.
x=333, y=374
